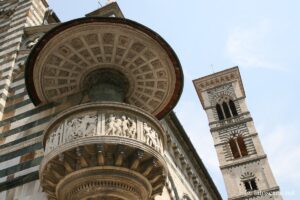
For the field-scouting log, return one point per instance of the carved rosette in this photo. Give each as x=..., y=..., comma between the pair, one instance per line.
x=103, y=150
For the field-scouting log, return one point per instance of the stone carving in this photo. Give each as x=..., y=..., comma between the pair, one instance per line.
x=247, y=175
x=69, y=129
x=115, y=124
x=223, y=77
x=81, y=127
x=111, y=125
x=54, y=138
x=120, y=126
x=132, y=128
x=125, y=124
x=151, y=136
x=219, y=92
x=33, y=42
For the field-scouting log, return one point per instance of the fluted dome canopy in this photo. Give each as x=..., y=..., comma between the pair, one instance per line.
x=60, y=63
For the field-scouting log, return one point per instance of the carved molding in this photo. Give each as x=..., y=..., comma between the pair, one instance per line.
x=94, y=183
x=247, y=176
x=233, y=121
x=216, y=79
x=221, y=93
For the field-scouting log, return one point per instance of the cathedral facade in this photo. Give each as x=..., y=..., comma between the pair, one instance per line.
x=86, y=112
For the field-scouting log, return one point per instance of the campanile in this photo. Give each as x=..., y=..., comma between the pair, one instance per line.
x=243, y=162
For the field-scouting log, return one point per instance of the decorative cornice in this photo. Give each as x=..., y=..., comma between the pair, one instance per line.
x=243, y=161
x=38, y=29
x=229, y=123
x=226, y=142
x=217, y=79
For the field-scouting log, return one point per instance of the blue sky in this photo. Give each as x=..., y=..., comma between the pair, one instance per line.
x=261, y=37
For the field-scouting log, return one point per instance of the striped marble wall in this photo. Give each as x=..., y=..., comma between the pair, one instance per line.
x=17, y=14
x=20, y=129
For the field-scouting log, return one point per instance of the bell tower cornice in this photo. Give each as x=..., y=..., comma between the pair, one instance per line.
x=218, y=79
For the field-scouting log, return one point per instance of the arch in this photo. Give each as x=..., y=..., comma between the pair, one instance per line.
x=234, y=148
x=225, y=93
x=232, y=108
x=242, y=145
x=250, y=184
x=220, y=112
x=247, y=175
x=225, y=107
x=226, y=110
x=238, y=147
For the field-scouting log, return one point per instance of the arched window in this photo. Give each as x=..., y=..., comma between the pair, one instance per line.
x=234, y=148
x=238, y=147
x=226, y=110
x=232, y=108
x=242, y=146
x=250, y=185
x=220, y=112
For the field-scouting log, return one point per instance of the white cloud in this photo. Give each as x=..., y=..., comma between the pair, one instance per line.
x=248, y=46
x=282, y=147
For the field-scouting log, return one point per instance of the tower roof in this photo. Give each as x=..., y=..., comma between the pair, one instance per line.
x=111, y=9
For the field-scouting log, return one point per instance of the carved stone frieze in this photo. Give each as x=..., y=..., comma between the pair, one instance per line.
x=103, y=123
x=220, y=78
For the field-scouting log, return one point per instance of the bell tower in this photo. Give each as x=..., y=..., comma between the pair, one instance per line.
x=243, y=162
